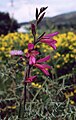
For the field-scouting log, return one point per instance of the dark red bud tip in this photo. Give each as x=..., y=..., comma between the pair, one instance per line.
x=43, y=9
x=33, y=29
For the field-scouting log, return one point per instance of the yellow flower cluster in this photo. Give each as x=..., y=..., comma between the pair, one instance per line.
x=67, y=94
x=66, y=45
x=14, y=41
x=71, y=95
x=36, y=85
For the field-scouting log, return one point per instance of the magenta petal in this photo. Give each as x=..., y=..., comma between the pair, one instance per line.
x=50, y=35
x=39, y=66
x=33, y=77
x=46, y=66
x=45, y=72
x=34, y=52
x=30, y=79
x=27, y=55
x=42, y=66
x=32, y=60
x=48, y=41
x=30, y=46
x=52, y=45
x=43, y=59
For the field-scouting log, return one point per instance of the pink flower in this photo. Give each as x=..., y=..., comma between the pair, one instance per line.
x=30, y=79
x=30, y=46
x=16, y=52
x=43, y=67
x=31, y=54
x=48, y=39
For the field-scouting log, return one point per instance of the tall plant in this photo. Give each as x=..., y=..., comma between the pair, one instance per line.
x=32, y=57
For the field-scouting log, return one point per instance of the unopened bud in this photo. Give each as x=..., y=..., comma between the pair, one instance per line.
x=33, y=29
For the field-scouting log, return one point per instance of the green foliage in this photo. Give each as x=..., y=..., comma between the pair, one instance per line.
x=50, y=101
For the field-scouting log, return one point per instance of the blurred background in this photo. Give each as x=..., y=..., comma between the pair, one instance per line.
x=59, y=13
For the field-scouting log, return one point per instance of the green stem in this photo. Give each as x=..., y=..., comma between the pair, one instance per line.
x=27, y=73
x=25, y=96
x=19, y=115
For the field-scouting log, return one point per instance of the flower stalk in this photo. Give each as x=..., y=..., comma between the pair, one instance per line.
x=31, y=57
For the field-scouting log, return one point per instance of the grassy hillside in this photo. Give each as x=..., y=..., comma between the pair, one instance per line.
x=61, y=22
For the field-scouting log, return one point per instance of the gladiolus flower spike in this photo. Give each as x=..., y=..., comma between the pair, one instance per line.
x=31, y=55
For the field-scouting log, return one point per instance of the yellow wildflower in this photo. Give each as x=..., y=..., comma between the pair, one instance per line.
x=25, y=50
x=75, y=91
x=36, y=85
x=45, y=50
x=2, y=48
x=71, y=94
x=72, y=102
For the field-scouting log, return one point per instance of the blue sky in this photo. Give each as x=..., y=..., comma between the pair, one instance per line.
x=24, y=10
